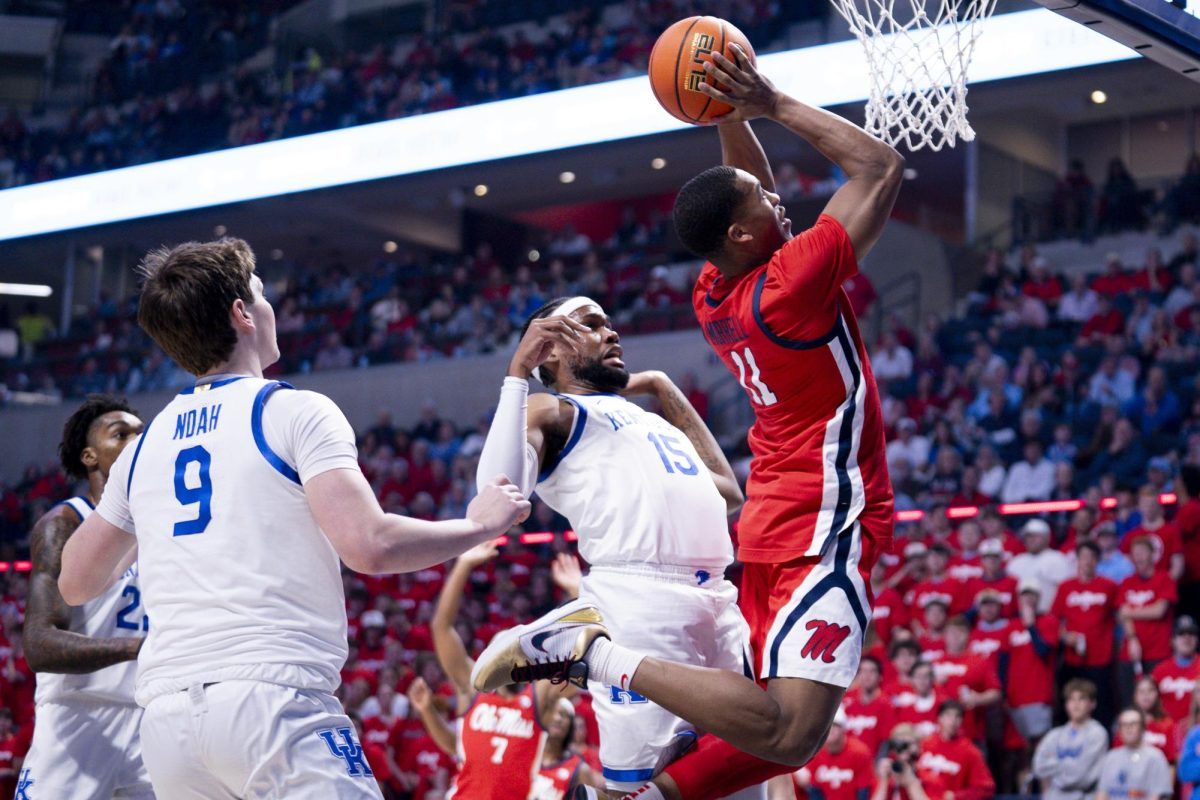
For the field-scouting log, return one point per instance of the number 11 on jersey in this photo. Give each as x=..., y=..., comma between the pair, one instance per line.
x=757, y=390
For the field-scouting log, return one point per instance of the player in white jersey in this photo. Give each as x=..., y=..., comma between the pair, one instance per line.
x=85, y=737
x=648, y=497
x=239, y=498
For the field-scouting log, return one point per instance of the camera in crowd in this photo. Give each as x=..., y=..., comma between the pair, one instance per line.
x=902, y=752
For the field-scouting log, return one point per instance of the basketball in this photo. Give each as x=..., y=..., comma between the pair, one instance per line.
x=677, y=66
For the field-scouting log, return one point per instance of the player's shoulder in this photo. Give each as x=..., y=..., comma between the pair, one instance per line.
x=57, y=518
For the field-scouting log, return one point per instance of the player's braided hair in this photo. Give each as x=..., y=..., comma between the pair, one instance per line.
x=704, y=210
x=79, y=425
x=545, y=311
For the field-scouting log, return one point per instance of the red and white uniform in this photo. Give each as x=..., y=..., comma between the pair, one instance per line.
x=965, y=570
x=554, y=782
x=841, y=776
x=954, y=766
x=870, y=722
x=1175, y=685
x=1090, y=609
x=819, y=507
x=1154, y=635
x=500, y=742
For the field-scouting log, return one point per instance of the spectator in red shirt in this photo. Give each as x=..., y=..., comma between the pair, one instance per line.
x=933, y=636
x=372, y=650
x=1178, y=676
x=919, y=706
x=1041, y=284
x=1106, y=323
x=896, y=773
x=1115, y=280
x=1168, y=550
x=991, y=559
x=868, y=710
x=1086, y=607
x=938, y=584
x=1146, y=598
x=843, y=769
x=903, y=655
x=861, y=292
x=991, y=629
x=965, y=566
x=951, y=766
x=967, y=676
x=889, y=610
x=1160, y=729
x=1187, y=517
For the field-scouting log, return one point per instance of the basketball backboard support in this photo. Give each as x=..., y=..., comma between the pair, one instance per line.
x=1157, y=29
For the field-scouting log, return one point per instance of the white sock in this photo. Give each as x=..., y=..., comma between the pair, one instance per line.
x=647, y=792
x=612, y=664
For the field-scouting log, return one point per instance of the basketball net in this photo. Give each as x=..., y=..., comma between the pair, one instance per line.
x=918, y=65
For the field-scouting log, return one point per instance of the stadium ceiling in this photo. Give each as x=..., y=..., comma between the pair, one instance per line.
x=1012, y=45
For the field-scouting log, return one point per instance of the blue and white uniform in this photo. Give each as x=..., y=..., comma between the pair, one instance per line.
x=653, y=527
x=249, y=636
x=85, y=736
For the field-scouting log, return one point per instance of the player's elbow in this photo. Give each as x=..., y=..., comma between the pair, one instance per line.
x=73, y=589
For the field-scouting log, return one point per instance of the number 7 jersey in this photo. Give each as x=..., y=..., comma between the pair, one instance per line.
x=787, y=333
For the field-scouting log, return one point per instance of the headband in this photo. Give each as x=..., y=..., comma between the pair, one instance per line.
x=567, y=308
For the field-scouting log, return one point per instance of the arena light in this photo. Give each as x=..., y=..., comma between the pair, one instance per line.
x=26, y=289
x=962, y=512
x=1010, y=45
x=1040, y=507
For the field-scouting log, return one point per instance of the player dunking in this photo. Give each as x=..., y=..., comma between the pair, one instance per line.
x=85, y=738
x=820, y=503
x=648, y=497
x=238, y=498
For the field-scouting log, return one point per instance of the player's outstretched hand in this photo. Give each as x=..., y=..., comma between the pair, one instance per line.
x=480, y=554
x=538, y=343
x=419, y=695
x=744, y=87
x=566, y=574
x=499, y=506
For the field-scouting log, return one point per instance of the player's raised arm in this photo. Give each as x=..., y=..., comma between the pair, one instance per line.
x=49, y=644
x=874, y=168
x=741, y=149
x=528, y=431
x=449, y=646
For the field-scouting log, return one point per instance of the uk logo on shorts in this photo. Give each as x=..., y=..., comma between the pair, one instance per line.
x=825, y=640
x=24, y=782
x=348, y=750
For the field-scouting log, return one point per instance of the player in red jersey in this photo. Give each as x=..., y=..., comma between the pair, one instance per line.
x=500, y=737
x=562, y=769
x=820, y=504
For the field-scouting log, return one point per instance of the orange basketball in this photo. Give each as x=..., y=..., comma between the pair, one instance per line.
x=677, y=66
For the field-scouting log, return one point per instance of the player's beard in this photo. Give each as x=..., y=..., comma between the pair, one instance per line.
x=595, y=372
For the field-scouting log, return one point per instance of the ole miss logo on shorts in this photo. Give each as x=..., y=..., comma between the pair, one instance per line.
x=826, y=638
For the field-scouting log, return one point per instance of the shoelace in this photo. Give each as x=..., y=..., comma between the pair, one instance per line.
x=555, y=671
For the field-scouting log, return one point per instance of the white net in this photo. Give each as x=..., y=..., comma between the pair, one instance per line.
x=918, y=58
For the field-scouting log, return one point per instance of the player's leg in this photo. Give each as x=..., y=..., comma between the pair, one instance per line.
x=659, y=614
x=133, y=780
x=171, y=750
x=272, y=741
x=71, y=755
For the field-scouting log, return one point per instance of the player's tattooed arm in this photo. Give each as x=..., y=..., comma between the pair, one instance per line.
x=678, y=411
x=49, y=645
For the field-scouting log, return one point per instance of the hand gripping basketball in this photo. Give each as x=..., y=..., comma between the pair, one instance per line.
x=744, y=88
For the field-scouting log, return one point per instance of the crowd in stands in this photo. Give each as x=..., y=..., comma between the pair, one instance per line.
x=174, y=83
x=1077, y=209
x=990, y=625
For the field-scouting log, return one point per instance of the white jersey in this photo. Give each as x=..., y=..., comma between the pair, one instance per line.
x=239, y=579
x=114, y=614
x=635, y=490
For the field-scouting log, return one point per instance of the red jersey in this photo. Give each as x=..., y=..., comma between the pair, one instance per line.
x=920, y=712
x=554, y=782
x=954, y=766
x=869, y=722
x=1089, y=608
x=933, y=647
x=889, y=612
x=1005, y=586
x=988, y=641
x=1030, y=674
x=1154, y=635
x=1175, y=685
x=1165, y=538
x=500, y=743
x=842, y=776
x=1161, y=733
x=1188, y=520
x=974, y=672
x=786, y=331
x=948, y=590
x=965, y=570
